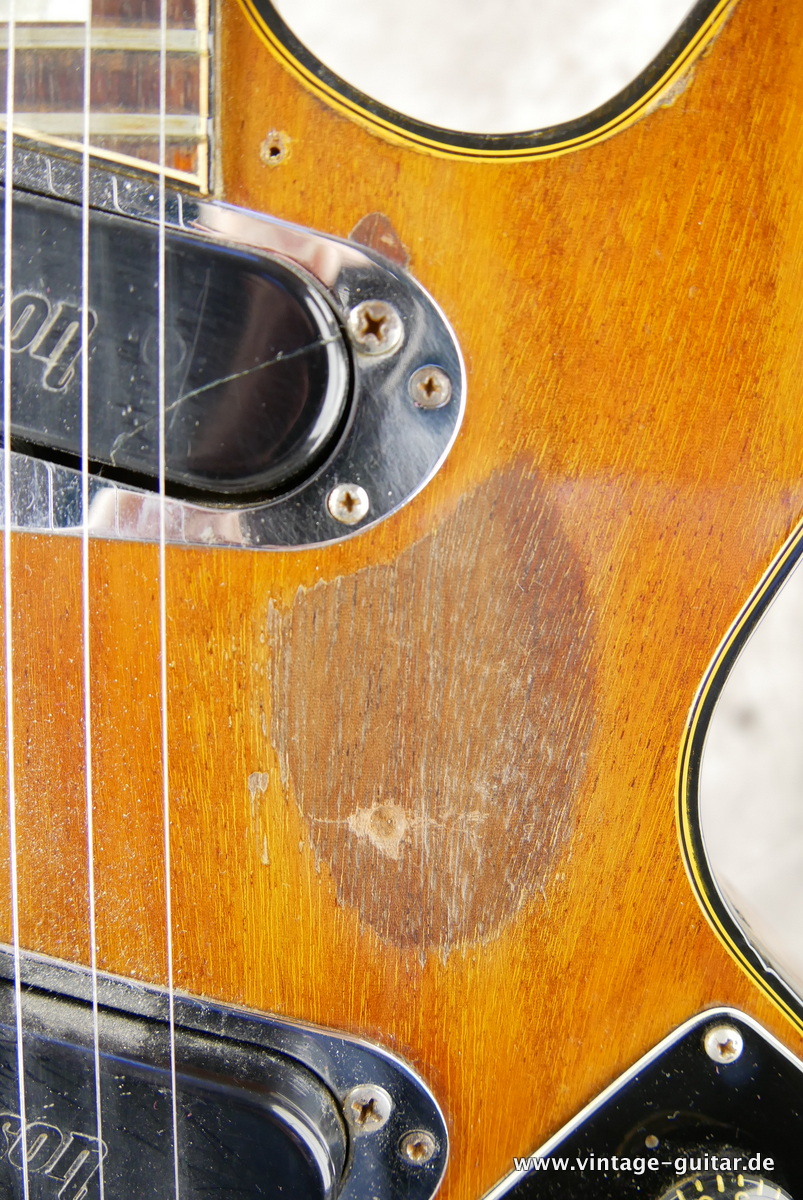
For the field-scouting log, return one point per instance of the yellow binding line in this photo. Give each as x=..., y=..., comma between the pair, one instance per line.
x=432, y=140
x=713, y=905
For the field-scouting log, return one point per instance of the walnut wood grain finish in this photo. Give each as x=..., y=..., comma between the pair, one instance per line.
x=121, y=81
x=631, y=317
x=179, y=14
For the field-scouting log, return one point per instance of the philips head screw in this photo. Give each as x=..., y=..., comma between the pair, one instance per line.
x=723, y=1043
x=430, y=387
x=375, y=327
x=367, y=1108
x=418, y=1147
x=348, y=503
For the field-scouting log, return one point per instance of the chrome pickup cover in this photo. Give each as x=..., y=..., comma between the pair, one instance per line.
x=255, y=378
x=271, y=405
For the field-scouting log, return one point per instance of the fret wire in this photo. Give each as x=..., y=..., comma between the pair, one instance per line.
x=163, y=594
x=132, y=39
x=7, y=592
x=85, y=608
x=181, y=126
x=126, y=160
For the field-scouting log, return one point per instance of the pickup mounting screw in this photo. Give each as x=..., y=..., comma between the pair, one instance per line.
x=430, y=387
x=418, y=1147
x=348, y=503
x=367, y=1108
x=375, y=327
x=723, y=1043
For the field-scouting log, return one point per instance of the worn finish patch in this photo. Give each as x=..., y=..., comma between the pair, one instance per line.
x=432, y=717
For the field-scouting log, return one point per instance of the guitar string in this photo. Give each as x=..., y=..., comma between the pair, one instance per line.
x=163, y=586
x=8, y=226
x=7, y=521
x=85, y=591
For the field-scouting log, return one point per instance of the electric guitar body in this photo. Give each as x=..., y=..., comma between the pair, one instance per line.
x=422, y=782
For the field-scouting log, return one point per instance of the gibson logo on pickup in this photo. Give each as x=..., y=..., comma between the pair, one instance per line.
x=70, y=1160
x=48, y=331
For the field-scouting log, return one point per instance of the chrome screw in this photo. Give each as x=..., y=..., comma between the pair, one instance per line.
x=375, y=327
x=348, y=503
x=430, y=387
x=367, y=1108
x=723, y=1043
x=418, y=1147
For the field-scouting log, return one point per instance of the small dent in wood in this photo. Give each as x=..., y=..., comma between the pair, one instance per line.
x=675, y=90
x=376, y=231
x=385, y=826
x=275, y=148
x=258, y=782
x=667, y=98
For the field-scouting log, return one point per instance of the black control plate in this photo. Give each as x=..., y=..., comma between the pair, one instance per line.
x=678, y=1103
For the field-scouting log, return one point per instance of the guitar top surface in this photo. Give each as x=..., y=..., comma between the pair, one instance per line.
x=422, y=783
